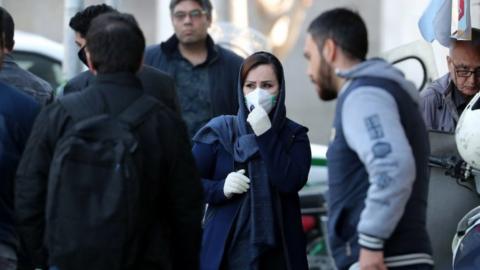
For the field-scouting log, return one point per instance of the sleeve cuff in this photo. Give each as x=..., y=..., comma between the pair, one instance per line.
x=370, y=242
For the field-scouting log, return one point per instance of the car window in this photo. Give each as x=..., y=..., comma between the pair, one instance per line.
x=414, y=70
x=44, y=67
x=416, y=60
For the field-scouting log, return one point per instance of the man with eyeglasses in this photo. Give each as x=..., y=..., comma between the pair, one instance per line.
x=205, y=73
x=446, y=98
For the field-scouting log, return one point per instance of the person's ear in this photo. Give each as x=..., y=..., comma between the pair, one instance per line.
x=329, y=51
x=90, y=65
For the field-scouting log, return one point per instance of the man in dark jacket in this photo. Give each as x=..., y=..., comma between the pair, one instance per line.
x=205, y=74
x=170, y=196
x=155, y=82
x=15, y=76
x=378, y=154
x=17, y=114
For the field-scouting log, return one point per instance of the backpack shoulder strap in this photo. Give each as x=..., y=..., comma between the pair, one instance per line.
x=77, y=106
x=136, y=112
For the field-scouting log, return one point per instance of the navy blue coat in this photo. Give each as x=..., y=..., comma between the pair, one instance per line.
x=287, y=173
x=285, y=151
x=17, y=114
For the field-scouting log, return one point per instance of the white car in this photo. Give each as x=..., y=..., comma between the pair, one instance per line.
x=39, y=55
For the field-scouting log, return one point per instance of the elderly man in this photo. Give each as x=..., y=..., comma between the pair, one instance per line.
x=446, y=98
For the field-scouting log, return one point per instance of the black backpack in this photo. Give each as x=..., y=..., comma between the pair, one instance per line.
x=94, y=187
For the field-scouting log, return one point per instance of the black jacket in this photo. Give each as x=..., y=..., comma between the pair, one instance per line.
x=224, y=66
x=173, y=203
x=155, y=83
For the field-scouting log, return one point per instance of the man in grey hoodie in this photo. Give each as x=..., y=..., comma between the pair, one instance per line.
x=445, y=99
x=378, y=154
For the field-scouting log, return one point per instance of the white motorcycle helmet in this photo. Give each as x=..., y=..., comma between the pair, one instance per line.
x=467, y=133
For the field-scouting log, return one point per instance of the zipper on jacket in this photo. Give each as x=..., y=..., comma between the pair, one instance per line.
x=348, y=249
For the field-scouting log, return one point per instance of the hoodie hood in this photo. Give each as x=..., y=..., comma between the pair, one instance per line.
x=278, y=115
x=379, y=68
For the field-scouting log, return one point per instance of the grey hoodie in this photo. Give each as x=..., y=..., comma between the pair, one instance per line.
x=391, y=169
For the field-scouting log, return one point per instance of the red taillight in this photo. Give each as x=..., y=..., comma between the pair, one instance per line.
x=308, y=223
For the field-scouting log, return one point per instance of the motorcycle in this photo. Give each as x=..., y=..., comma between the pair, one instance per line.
x=314, y=212
x=454, y=190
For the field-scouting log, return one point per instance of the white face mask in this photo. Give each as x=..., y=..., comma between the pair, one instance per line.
x=260, y=97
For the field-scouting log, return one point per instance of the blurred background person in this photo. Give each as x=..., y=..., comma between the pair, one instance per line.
x=205, y=74
x=15, y=76
x=17, y=113
x=156, y=83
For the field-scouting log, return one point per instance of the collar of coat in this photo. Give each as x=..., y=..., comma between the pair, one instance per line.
x=170, y=47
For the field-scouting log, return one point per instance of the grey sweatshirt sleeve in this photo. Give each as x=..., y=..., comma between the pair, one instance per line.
x=373, y=129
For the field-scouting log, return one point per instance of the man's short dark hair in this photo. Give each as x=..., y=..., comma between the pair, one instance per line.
x=81, y=21
x=115, y=43
x=205, y=4
x=345, y=27
x=8, y=29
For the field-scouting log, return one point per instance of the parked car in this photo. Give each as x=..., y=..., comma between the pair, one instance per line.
x=39, y=55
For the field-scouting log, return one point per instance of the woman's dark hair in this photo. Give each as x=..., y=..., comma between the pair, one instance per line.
x=261, y=58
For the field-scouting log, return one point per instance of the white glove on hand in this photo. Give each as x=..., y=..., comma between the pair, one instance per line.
x=236, y=183
x=259, y=121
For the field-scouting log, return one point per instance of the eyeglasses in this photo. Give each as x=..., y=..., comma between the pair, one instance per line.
x=464, y=72
x=194, y=14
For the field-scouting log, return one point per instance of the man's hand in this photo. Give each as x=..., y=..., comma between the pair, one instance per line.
x=371, y=260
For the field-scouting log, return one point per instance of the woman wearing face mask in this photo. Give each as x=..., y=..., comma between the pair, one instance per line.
x=252, y=166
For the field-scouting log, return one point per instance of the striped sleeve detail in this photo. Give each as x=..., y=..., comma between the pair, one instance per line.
x=403, y=260
x=370, y=242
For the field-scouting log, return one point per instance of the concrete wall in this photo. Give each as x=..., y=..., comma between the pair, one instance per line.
x=45, y=17
x=303, y=104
